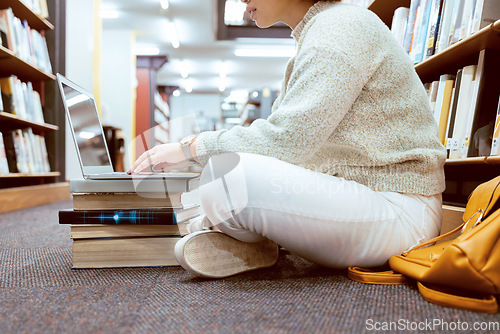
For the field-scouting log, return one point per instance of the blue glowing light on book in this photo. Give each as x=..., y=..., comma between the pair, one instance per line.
x=126, y=217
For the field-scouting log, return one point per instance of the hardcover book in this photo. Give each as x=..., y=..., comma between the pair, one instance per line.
x=124, y=252
x=97, y=231
x=137, y=185
x=128, y=217
x=495, y=145
x=106, y=201
x=4, y=166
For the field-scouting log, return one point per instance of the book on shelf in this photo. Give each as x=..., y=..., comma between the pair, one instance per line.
x=124, y=252
x=106, y=201
x=485, y=13
x=410, y=25
x=420, y=31
x=4, y=165
x=399, y=22
x=4, y=31
x=467, y=15
x=433, y=90
x=495, y=145
x=164, y=216
x=443, y=36
x=26, y=152
x=7, y=86
x=433, y=27
x=462, y=111
x=457, y=22
x=19, y=98
x=28, y=44
x=450, y=142
x=444, y=108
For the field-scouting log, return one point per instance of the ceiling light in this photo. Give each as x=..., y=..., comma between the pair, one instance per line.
x=174, y=37
x=222, y=84
x=223, y=70
x=183, y=69
x=147, y=51
x=164, y=4
x=284, y=52
x=109, y=14
x=176, y=93
x=187, y=86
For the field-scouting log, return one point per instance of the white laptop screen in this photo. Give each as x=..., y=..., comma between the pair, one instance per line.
x=87, y=128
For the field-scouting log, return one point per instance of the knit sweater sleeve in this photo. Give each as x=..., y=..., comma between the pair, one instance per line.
x=320, y=90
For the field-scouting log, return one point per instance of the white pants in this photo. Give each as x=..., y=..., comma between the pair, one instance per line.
x=322, y=218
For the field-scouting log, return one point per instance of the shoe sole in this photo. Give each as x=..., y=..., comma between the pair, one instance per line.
x=214, y=254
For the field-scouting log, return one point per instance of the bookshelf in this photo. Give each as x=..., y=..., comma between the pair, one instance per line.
x=462, y=175
x=22, y=190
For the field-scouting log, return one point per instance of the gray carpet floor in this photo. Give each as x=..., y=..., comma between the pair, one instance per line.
x=40, y=293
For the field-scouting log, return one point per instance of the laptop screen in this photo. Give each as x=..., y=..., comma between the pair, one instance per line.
x=87, y=128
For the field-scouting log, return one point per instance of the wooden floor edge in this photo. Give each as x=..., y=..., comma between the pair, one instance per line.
x=12, y=199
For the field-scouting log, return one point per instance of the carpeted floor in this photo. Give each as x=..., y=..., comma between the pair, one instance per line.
x=40, y=293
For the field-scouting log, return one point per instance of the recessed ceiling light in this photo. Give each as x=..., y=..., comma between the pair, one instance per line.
x=164, y=4
x=183, y=69
x=176, y=93
x=172, y=33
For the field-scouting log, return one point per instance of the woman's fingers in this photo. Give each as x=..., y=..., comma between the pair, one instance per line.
x=144, y=166
x=145, y=157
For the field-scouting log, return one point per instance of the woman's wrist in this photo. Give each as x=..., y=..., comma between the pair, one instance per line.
x=192, y=149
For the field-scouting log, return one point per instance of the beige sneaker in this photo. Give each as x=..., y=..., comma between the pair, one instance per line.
x=214, y=254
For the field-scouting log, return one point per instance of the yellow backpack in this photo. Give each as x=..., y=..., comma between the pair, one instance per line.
x=463, y=273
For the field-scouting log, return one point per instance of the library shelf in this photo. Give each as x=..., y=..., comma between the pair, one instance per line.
x=25, y=13
x=460, y=54
x=19, y=175
x=490, y=160
x=10, y=64
x=17, y=198
x=8, y=121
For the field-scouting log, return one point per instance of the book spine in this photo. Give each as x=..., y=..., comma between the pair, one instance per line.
x=4, y=166
x=434, y=23
x=399, y=21
x=117, y=217
x=495, y=145
x=420, y=46
x=410, y=25
x=451, y=143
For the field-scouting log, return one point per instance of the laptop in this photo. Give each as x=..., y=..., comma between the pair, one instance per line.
x=88, y=136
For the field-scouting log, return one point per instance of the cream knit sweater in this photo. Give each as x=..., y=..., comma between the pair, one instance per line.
x=351, y=105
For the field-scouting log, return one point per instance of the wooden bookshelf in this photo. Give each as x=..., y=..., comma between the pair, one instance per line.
x=460, y=54
x=17, y=198
x=462, y=175
x=10, y=121
x=10, y=63
x=492, y=160
x=19, y=175
x=22, y=190
x=24, y=13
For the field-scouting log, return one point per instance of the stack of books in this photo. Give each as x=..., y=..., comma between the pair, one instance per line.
x=125, y=223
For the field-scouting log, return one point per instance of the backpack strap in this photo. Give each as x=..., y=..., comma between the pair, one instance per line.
x=375, y=276
x=433, y=294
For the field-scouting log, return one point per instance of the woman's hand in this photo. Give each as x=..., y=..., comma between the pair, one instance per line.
x=160, y=158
